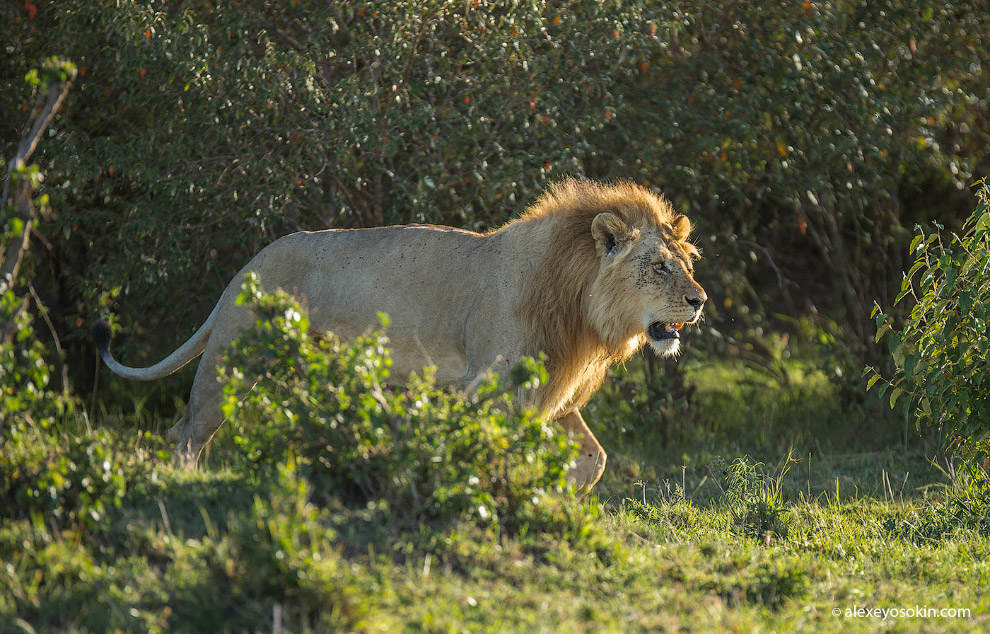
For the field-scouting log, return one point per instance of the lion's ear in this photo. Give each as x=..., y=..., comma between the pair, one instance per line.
x=609, y=232
x=681, y=227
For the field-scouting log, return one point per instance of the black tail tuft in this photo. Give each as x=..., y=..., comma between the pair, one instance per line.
x=101, y=332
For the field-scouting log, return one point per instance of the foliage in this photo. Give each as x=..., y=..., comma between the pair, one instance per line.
x=54, y=70
x=964, y=507
x=940, y=351
x=24, y=373
x=422, y=451
x=801, y=137
x=132, y=572
x=222, y=549
x=73, y=481
x=753, y=497
x=281, y=551
x=794, y=128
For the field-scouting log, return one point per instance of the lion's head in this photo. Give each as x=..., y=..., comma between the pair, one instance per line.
x=620, y=262
x=645, y=285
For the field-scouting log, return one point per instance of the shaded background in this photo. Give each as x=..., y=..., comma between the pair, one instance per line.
x=804, y=139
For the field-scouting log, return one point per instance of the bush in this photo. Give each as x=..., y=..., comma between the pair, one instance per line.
x=423, y=452
x=65, y=476
x=26, y=396
x=281, y=551
x=24, y=373
x=801, y=136
x=753, y=497
x=277, y=555
x=73, y=481
x=964, y=507
x=940, y=370
x=796, y=130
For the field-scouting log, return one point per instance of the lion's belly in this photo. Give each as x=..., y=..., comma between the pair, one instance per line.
x=416, y=337
x=450, y=364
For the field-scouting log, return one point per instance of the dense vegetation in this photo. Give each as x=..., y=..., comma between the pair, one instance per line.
x=433, y=511
x=806, y=140
x=940, y=351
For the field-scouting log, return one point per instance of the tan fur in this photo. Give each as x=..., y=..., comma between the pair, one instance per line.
x=578, y=276
x=558, y=305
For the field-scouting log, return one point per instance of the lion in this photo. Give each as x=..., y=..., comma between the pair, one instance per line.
x=587, y=275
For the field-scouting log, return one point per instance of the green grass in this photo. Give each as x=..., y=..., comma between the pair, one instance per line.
x=673, y=540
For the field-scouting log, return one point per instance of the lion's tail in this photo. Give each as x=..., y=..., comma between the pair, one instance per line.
x=185, y=353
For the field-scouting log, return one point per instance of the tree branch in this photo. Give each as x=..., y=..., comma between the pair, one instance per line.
x=21, y=200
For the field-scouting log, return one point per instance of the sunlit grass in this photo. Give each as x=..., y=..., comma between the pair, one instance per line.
x=670, y=541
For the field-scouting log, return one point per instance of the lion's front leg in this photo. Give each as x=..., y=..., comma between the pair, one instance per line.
x=590, y=463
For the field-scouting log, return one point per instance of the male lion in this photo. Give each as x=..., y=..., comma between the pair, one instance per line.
x=586, y=275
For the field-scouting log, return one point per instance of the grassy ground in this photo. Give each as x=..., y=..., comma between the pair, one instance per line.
x=757, y=508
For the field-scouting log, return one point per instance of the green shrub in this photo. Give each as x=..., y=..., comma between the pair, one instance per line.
x=424, y=452
x=754, y=497
x=801, y=137
x=25, y=372
x=962, y=506
x=71, y=480
x=278, y=554
x=940, y=370
x=75, y=477
x=45, y=469
x=281, y=552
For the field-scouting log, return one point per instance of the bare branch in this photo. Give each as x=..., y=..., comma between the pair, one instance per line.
x=43, y=310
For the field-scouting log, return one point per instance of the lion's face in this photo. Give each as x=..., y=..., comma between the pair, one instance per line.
x=645, y=289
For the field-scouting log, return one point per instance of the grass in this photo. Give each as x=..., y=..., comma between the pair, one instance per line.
x=674, y=539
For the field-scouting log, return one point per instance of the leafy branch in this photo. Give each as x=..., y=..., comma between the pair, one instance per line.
x=57, y=76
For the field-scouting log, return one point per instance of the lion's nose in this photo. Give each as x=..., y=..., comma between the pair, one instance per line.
x=696, y=301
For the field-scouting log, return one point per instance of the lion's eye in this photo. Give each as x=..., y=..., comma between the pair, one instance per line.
x=661, y=268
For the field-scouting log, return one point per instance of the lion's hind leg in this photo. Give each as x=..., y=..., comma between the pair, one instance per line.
x=196, y=427
x=185, y=450
x=202, y=417
x=173, y=434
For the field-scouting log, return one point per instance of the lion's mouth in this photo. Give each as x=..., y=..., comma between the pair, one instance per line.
x=659, y=331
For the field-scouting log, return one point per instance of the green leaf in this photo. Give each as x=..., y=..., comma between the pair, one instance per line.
x=895, y=394
x=883, y=330
x=892, y=343
x=966, y=300
x=16, y=225
x=916, y=243
x=983, y=223
x=910, y=361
